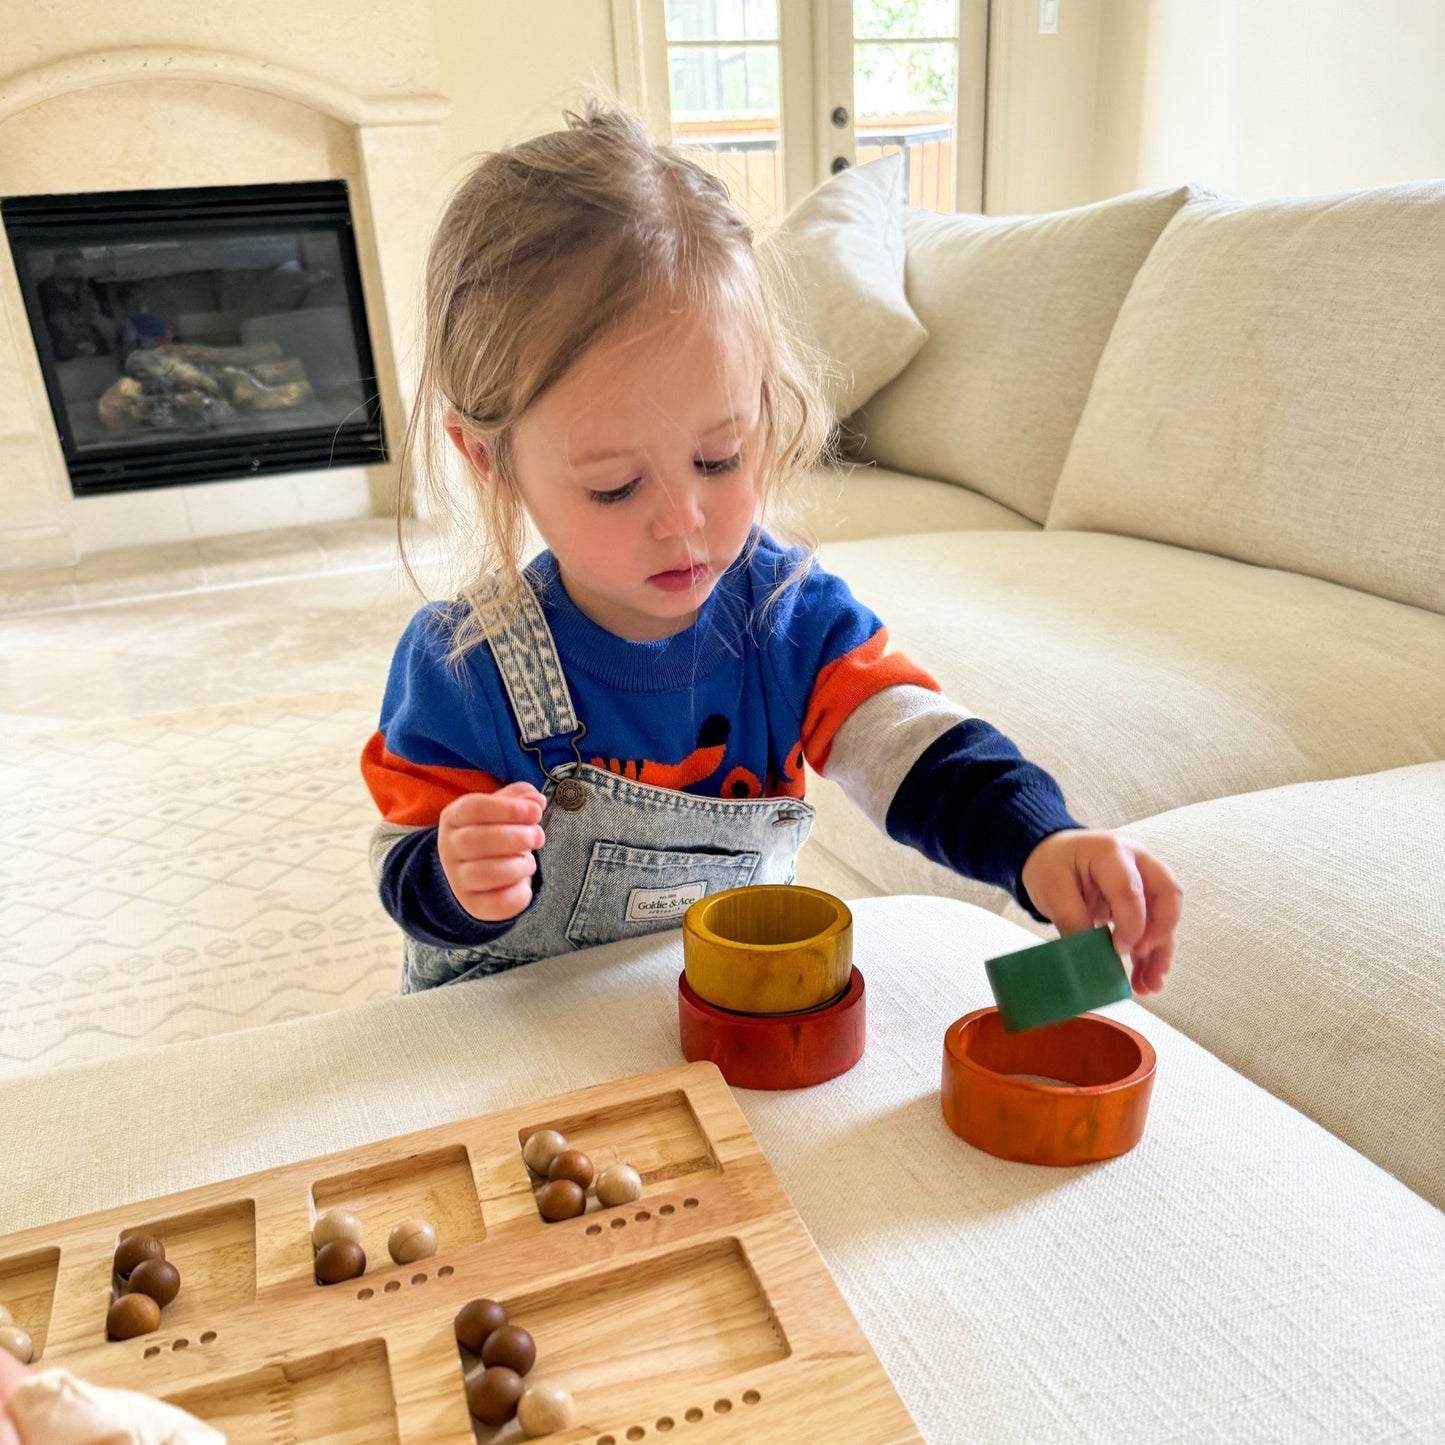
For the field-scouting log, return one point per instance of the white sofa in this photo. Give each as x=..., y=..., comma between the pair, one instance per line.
x=1162, y=495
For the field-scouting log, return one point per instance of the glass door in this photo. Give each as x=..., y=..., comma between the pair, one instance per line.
x=773, y=95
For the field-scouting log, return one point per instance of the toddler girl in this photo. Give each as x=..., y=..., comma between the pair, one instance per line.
x=575, y=752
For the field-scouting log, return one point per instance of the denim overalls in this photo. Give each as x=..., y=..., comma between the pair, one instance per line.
x=622, y=858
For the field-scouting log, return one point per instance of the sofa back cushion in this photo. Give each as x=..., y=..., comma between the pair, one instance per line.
x=1274, y=391
x=1017, y=310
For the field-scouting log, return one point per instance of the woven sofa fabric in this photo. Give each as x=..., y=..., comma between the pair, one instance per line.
x=842, y=503
x=1310, y=953
x=1273, y=392
x=838, y=257
x=1017, y=311
x=1144, y=677
x=1240, y=1275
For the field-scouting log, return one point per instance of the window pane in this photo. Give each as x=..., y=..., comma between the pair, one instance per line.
x=722, y=19
x=904, y=19
x=905, y=100
x=725, y=116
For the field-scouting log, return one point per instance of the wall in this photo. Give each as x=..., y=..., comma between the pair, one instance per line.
x=509, y=69
x=1270, y=97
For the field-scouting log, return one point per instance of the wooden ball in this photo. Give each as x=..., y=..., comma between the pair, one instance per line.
x=6, y=1318
x=158, y=1278
x=339, y=1260
x=545, y=1407
x=618, y=1184
x=14, y=1341
x=492, y=1394
x=511, y=1346
x=571, y=1164
x=541, y=1149
x=134, y=1248
x=561, y=1199
x=132, y=1315
x=411, y=1240
x=476, y=1320
x=336, y=1224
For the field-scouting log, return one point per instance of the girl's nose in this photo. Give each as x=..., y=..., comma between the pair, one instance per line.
x=680, y=513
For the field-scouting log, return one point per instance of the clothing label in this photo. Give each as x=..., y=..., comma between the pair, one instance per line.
x=663, y=902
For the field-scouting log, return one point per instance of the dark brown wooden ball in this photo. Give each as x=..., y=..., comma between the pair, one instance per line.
x=134, y=1248
x=158, y=1278
x=492, y=1394
x=476, y=1320
x=571, y=1164
x=132, y=1315
x=561, y=1199
x=511, y=1346
x=339, y=1259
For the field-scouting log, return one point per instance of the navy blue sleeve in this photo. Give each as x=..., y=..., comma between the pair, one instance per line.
x=974, y=804
x=415, y=892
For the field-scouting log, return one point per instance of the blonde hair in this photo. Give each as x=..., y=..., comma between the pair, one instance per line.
x=544, y=248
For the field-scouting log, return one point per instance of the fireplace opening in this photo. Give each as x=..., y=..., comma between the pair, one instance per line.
x=195, y=335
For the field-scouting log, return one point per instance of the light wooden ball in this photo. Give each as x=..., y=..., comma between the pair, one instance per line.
x=411, y=1240
x=6, y=1318
x=545, y=1407
x=14, y=1341
x=618, y=1184
x=541, y=1149
x=336, y=1224
x=132, y=1315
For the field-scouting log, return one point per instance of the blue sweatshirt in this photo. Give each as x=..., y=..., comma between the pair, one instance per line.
x=731, y=707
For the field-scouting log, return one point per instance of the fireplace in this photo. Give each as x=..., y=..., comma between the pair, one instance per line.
x=191, y=335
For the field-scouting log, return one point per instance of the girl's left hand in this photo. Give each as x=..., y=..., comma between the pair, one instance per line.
x=1080, y=878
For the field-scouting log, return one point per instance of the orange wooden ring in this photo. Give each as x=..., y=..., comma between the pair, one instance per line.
x=774, y=1051
x=1098, y=1114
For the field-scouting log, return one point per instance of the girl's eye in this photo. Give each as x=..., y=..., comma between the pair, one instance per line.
x=619, y=494
x=726, y=465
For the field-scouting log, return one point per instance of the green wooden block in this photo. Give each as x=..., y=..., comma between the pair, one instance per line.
x=1057, y=980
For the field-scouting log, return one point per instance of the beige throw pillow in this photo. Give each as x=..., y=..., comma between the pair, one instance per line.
x=840, y=255
x=1018, y=309
x=1274, y=391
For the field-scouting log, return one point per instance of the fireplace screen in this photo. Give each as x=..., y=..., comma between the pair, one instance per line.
x=193, y=335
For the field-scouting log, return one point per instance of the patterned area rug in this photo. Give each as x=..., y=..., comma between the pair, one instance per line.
x=170, y=877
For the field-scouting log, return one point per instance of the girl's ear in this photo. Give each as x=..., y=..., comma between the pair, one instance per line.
x=468, y=446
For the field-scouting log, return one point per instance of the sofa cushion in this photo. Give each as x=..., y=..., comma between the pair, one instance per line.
x=1144, y=677
x=1273, y=392
x=1018, y=310
x=838, y=255
x=1309, y=953
x=841, y=503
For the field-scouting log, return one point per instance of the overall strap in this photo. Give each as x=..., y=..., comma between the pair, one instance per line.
x=532, y=674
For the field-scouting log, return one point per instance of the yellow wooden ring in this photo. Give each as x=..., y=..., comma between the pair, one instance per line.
x=772, y=948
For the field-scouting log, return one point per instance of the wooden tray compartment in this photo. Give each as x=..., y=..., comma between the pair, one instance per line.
x=27, y=1290
x=702, y=1306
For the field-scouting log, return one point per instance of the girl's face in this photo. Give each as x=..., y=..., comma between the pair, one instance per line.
x=638, y=467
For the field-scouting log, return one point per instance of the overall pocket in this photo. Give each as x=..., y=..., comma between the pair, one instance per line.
x=631, y=891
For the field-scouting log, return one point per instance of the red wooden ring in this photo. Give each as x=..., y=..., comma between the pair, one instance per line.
x=1097, y=1115
x=771, y=1051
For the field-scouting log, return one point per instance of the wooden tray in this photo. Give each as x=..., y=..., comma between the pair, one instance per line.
x=701, y=1312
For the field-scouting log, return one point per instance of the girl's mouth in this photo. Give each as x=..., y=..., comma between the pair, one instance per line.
x=681, y=578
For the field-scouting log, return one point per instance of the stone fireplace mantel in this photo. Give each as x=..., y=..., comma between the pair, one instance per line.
x=364, y=109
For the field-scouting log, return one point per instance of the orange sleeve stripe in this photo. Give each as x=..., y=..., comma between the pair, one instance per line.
x=414, y=795
x=849, y=680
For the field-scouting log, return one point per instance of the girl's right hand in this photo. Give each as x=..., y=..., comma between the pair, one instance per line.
x=486, y=842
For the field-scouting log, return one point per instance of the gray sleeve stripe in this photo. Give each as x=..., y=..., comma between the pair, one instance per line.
x=882, y=738
x=384, y=837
